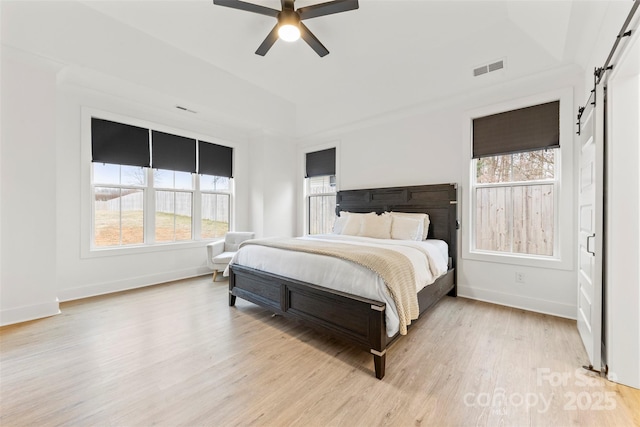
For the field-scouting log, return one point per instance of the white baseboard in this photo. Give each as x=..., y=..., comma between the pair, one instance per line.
x=518, y=301
x=128, y=284
x=29, y=312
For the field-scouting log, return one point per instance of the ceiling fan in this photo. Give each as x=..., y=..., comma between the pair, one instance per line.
x=290, y=26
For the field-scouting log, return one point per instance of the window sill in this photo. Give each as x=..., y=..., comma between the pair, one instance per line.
x=518, y=259
x=140, y=249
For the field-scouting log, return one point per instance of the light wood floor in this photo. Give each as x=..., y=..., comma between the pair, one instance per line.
x=176, y=354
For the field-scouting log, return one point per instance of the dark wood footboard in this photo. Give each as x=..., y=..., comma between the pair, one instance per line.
x=356, y=320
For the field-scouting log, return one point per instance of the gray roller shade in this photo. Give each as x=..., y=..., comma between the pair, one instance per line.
x=173, y=152
x=119, y=144
x=320, y=163
x=216, y=160
x=526, y=129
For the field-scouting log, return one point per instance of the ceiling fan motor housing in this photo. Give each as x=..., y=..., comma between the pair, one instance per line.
x=289, y=17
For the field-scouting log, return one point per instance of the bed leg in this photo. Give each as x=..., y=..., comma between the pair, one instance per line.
x=454, y=292
x=232, y=284
x=379, y=359
x=379, y=362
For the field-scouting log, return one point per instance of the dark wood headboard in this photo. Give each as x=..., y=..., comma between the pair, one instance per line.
x=439, y=201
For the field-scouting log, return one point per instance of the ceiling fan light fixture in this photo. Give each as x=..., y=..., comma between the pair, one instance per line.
x=289, y=32
x=288, y=25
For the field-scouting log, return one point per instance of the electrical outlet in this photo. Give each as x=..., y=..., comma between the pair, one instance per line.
x=519, y=277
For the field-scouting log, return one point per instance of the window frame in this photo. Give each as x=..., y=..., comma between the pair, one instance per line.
x=174, y=215
x=305, y=181
x=555, y=182
x=564, y=194
x=119, y=186
x=230, y=193
x=309, y=195
x=87, y=214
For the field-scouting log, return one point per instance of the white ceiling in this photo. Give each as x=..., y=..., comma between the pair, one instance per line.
x=385, y=56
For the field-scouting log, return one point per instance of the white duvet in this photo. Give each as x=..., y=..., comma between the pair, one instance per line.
x=429, y=259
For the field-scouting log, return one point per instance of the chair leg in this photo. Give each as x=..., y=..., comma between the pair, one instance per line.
x=215, y=273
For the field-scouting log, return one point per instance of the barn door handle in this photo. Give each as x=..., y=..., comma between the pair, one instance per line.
x=588, y=240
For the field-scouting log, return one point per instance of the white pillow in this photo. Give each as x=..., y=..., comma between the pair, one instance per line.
x=421, y=216
x=339, y=223
x=406, y=228
x=376, y=226
x=353, y=223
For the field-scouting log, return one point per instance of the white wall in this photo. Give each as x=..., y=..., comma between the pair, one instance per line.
x=272, y=191
x=28, y=188
x=421, y=149
x=426, y=146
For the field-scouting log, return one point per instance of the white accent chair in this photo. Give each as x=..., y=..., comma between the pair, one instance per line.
x=219, y=253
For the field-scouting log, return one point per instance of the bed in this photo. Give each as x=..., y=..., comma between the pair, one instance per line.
x=360, y=321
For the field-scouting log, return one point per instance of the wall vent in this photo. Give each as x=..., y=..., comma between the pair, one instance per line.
x=488, y=68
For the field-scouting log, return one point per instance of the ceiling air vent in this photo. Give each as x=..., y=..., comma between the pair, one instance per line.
x=488, y=68
x=480, y=71
x=180, y=107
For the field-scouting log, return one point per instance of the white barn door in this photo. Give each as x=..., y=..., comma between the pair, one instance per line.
x=591, y=227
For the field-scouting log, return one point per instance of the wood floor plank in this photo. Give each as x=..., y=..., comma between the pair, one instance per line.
x=177, y=354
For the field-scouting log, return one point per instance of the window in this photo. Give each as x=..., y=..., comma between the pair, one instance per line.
x=515, y=181
x=515, y=202
x=173, y=210
x=118, y=204
x=322, y=203
x=216, y=171
x=216, y=203
x=146, y=190
x=320, y=190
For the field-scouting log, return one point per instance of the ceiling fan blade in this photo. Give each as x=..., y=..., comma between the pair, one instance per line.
x=312, y=41
x=268, y=42
x=327, y=8
x=249, y=7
